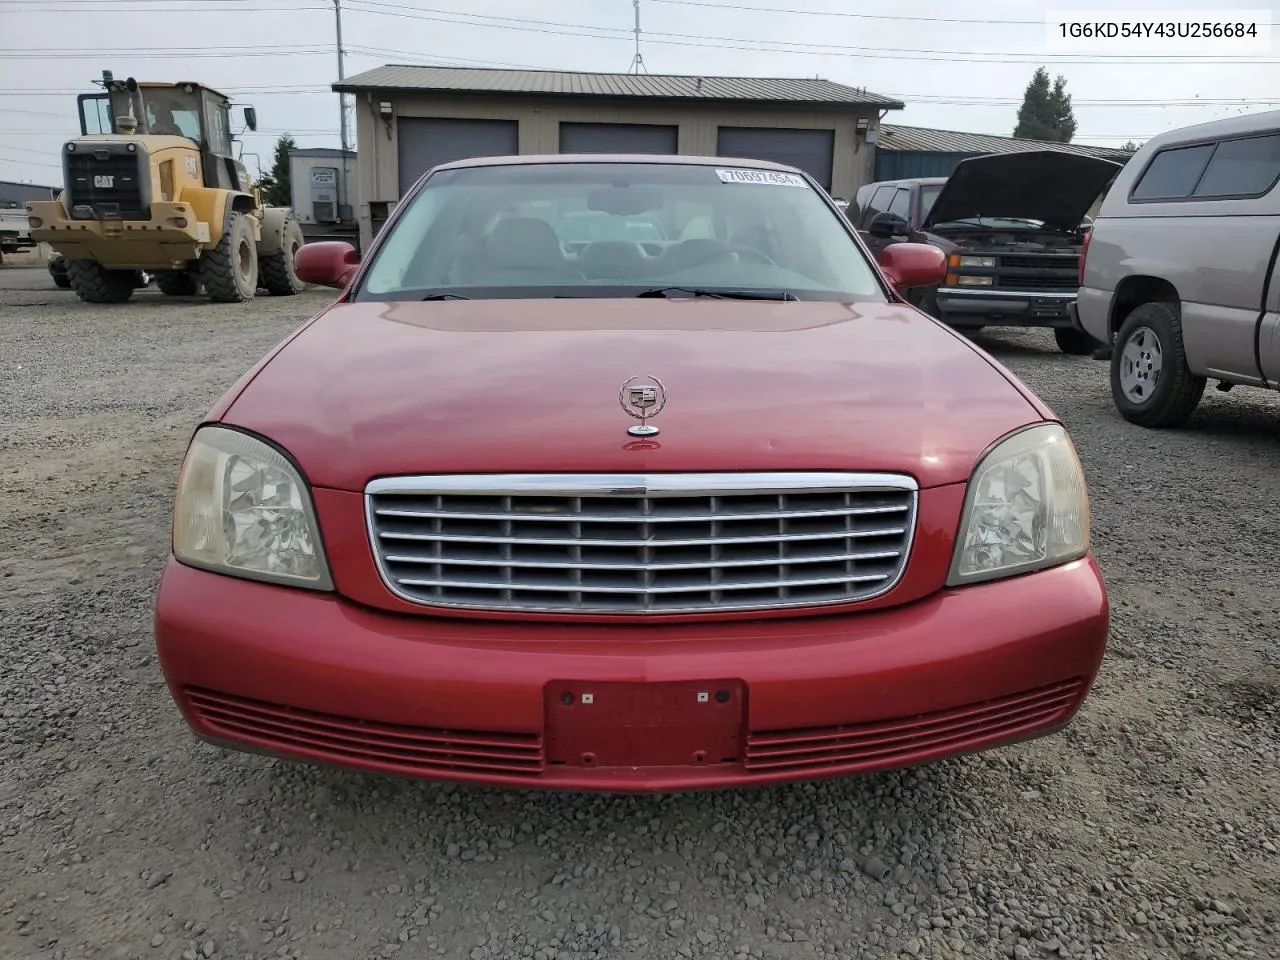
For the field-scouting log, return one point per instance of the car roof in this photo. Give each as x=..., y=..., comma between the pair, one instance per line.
x=665, y=159
x=1263, y=122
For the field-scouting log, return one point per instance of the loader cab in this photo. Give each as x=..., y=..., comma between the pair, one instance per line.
x=187, y=110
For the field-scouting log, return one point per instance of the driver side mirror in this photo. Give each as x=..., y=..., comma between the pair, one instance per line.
x=907, y=265
x=327, y=263
x=887, y=225
x=251, y=118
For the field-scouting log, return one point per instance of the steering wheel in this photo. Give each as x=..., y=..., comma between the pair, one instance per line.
x=741, y=252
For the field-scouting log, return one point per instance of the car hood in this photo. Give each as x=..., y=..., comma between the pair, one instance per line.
x=379, y=389
x=1058, y=188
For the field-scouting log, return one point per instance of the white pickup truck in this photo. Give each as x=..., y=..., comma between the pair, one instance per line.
x=15, y=231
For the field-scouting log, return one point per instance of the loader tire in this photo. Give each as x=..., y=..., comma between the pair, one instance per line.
x=229, y=272
x=276, y=272
x=94, y=283
x=175, y=283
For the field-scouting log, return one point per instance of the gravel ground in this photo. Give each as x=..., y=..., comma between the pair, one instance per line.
x=1148, y=829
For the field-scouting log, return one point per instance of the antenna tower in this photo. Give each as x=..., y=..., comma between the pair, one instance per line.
x=637, y=62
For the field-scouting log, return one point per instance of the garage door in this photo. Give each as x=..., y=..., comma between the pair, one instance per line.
x=810, y=150
x=617, y=138
x=425, y=142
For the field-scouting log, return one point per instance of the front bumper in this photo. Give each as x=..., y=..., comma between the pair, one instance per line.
x=171, y=237
x=313, y=677
x=975, y=307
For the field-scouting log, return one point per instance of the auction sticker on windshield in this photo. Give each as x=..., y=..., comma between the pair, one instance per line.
x=773, y=177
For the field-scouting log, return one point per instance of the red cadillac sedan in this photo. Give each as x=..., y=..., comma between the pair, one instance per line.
x=632, y=474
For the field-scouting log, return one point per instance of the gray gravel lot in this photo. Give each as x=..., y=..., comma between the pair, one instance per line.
x=1149, y=829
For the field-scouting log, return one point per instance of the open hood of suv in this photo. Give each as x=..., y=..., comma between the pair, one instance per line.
x=1056, y=188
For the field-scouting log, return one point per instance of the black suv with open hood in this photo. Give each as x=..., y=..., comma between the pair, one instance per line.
x=1012, y=226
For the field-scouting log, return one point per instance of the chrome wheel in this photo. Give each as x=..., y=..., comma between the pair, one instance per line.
x=1140, y=362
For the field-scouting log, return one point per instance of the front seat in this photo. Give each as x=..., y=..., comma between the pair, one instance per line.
x=524, y=248
x=614, y=260
x=691, y=252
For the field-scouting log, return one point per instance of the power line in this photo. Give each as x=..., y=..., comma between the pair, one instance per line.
x=893, y=17
x=944, y=100
x=32, y=113
x=37, y=153
x=587, y=31
x=30, y=163
x=127, y=51
x=176, y=55
x=154, y=6
x=556, y=28
x=432, y=60
x=234, y=91
x=26, y=7
x=111, y=3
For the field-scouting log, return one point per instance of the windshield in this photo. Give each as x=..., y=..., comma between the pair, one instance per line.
x=617, y=229
x=928, y=194
x=164, y=110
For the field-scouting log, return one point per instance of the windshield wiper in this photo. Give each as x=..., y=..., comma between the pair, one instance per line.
x=673, y=292
x=444, y=296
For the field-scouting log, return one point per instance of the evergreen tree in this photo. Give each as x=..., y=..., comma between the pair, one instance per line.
x=277, y=188
x=1060, y=104
x=1131, y=147
x=1046, y=113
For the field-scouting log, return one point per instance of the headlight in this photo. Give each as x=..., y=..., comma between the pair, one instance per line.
x=1026, y=508
x=964, y=281
x=243, y=510
x=988, y=263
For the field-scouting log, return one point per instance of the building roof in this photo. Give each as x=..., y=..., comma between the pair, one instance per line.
x=319, y=152
x=555, y=83
x=926, y=140
x=26, y=186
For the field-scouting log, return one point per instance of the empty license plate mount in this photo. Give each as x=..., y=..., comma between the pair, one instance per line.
x=660, y=724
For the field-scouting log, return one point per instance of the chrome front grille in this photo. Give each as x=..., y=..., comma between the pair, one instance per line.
x=637, y=544
x=1037, y=271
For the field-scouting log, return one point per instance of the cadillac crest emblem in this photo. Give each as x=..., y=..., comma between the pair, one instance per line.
x=643, y=398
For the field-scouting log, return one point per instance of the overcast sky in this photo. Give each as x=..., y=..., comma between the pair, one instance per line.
x=958, y=66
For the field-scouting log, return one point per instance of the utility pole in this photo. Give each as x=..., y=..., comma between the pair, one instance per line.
x=637, y=62
x=342, y=109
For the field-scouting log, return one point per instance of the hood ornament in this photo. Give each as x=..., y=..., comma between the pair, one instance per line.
x=642, y=398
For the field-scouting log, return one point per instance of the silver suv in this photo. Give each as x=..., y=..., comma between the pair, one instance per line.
x=1179, y=273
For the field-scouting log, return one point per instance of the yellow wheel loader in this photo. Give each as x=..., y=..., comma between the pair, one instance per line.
x=152, y=185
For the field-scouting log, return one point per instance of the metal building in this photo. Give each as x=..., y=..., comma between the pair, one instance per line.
x=322, y=184
x=410, y=118
x=908, y=152
x=16, y=195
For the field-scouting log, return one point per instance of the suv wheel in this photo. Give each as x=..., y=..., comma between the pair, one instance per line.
x=1074, y=342
x=1150, y=381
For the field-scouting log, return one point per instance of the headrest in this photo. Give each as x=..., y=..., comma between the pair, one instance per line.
x=613, y=251
x=523, y=243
